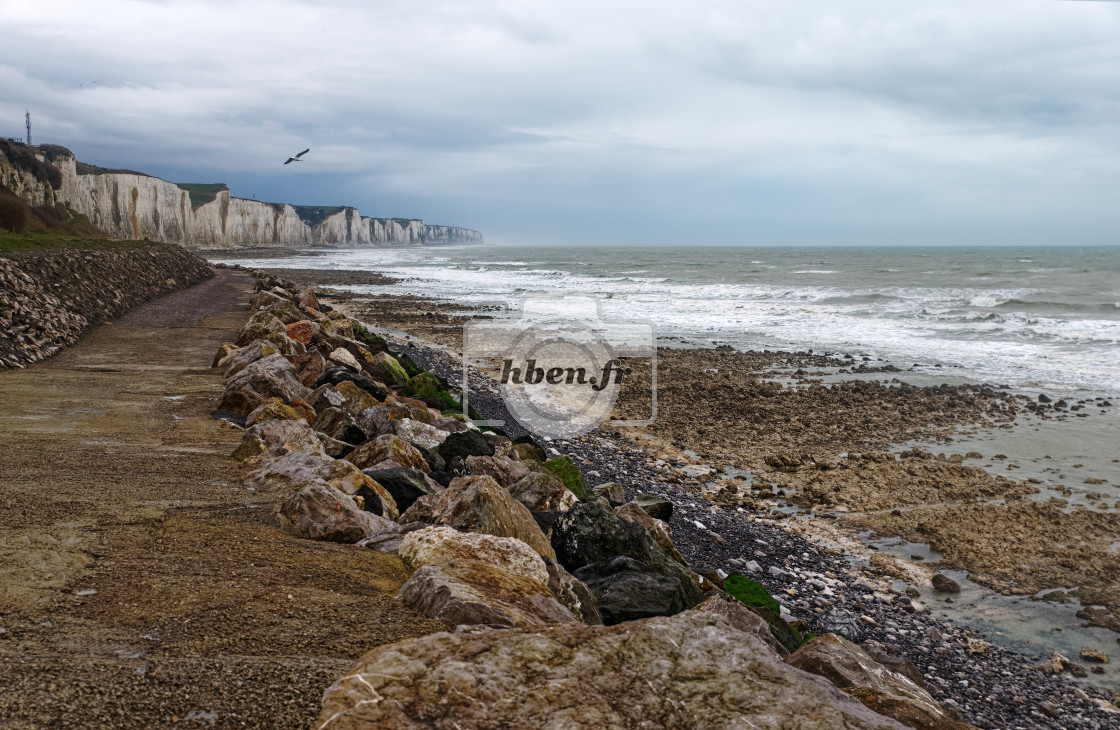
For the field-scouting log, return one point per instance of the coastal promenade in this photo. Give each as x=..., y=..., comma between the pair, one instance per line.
x=140, y=584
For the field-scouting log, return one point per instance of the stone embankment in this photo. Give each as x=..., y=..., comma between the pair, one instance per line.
x=48, y=299
x=570, y=606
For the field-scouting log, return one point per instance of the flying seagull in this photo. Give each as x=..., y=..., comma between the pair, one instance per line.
x=297, y=157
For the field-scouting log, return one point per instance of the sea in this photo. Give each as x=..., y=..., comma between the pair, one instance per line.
x=1035, y=320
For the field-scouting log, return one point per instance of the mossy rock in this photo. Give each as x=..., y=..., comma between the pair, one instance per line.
x=386, y=369
x=425, y=385
x=750, y=593
x=370, y=340
x=758, y=599
x=564, y=469
x=406, y=362
x=448, y=404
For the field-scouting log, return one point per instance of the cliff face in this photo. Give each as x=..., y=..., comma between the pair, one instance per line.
x=132, y=205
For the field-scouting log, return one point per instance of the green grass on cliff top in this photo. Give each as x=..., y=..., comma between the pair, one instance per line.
x=38, y=240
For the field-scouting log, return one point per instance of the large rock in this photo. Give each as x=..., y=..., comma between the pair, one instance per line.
x=296, y=469
x=742, y=618
x=271, y=410
x=466, y=578
x=309, y=366
x=385, y=368
x=325, y=396
x=689, y=671
x=302, y=331
x=338, y=423
x=572, y=592
x=381, y=419
x=503, y=469
x=279, y=437
x=389, y=447
x=420, y=435
x=284, y=311
x=594, y=544
x=336, y=376
x=463, y=444
x=258, y=326
x=656, y=507
x=657, y=529
x=853, y=670
x=318, y=511
x=542, y=492
x=358, y=398
x=236, y=361
x=271, y=377
x=479, y=504
x=389, y=540
x=406, y=485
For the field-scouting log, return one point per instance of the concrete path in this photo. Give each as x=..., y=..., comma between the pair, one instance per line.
x=140, y=584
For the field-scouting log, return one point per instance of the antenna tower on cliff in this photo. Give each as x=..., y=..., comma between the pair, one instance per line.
x=28, y=117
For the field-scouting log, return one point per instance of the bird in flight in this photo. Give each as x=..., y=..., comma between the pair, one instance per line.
x=297, y=157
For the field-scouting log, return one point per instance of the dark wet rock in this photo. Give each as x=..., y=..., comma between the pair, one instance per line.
x=463, y=444
x=406, y=485
x=564, y=469
x=339, y=424
x=336, y=375
x=589, y=536
x=945, y=584
x=573, y=593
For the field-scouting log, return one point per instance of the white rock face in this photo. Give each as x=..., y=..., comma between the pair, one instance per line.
x=132, y=205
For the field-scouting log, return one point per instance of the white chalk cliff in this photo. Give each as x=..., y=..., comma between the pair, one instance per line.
x=133, y=205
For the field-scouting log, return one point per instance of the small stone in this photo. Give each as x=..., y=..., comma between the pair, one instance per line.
x=1091, y=654
x=945, y=584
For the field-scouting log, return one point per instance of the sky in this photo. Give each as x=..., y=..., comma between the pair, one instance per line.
x=807, y=122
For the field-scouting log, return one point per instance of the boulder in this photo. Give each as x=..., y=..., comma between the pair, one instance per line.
x=613, y=492
x=271, y=410
x=265, y=299
x=358, y=398
x=406, y=485
x=503, y=469
x=242, y=400
x=339, y=424
x=945, y=584
x=284, y=311
x=223, y=352
x=479, y=504
x=285, y=345
x=572, y=592
x=236, y=361
x=388, y=446
x=527, y=452
x=542, y=492
x=318, y=511
x=478, y=579
x=258, y=326
x=502, y=445
x=389, y=540
x=270, y=377
x=335, y=449
x=463, y=444
x=279, y=437
x=419, y=434
x=742, y=618
x=298, y=468
x=336, y=376
x=302, y=331
x=852, y=670
x=308, y=300
x=658, y=508
x=589, y=540
x=384, y=367
x=309, y=366
x=564, y=469
x=325, y=396
x=688, y=671
x=344, y=358
x=657, y=529
x=425, y=385
x=381, y=419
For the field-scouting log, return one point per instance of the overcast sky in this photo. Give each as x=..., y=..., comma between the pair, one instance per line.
x=799, y=122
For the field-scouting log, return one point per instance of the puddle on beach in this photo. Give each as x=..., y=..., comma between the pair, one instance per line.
x=1034, y=627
